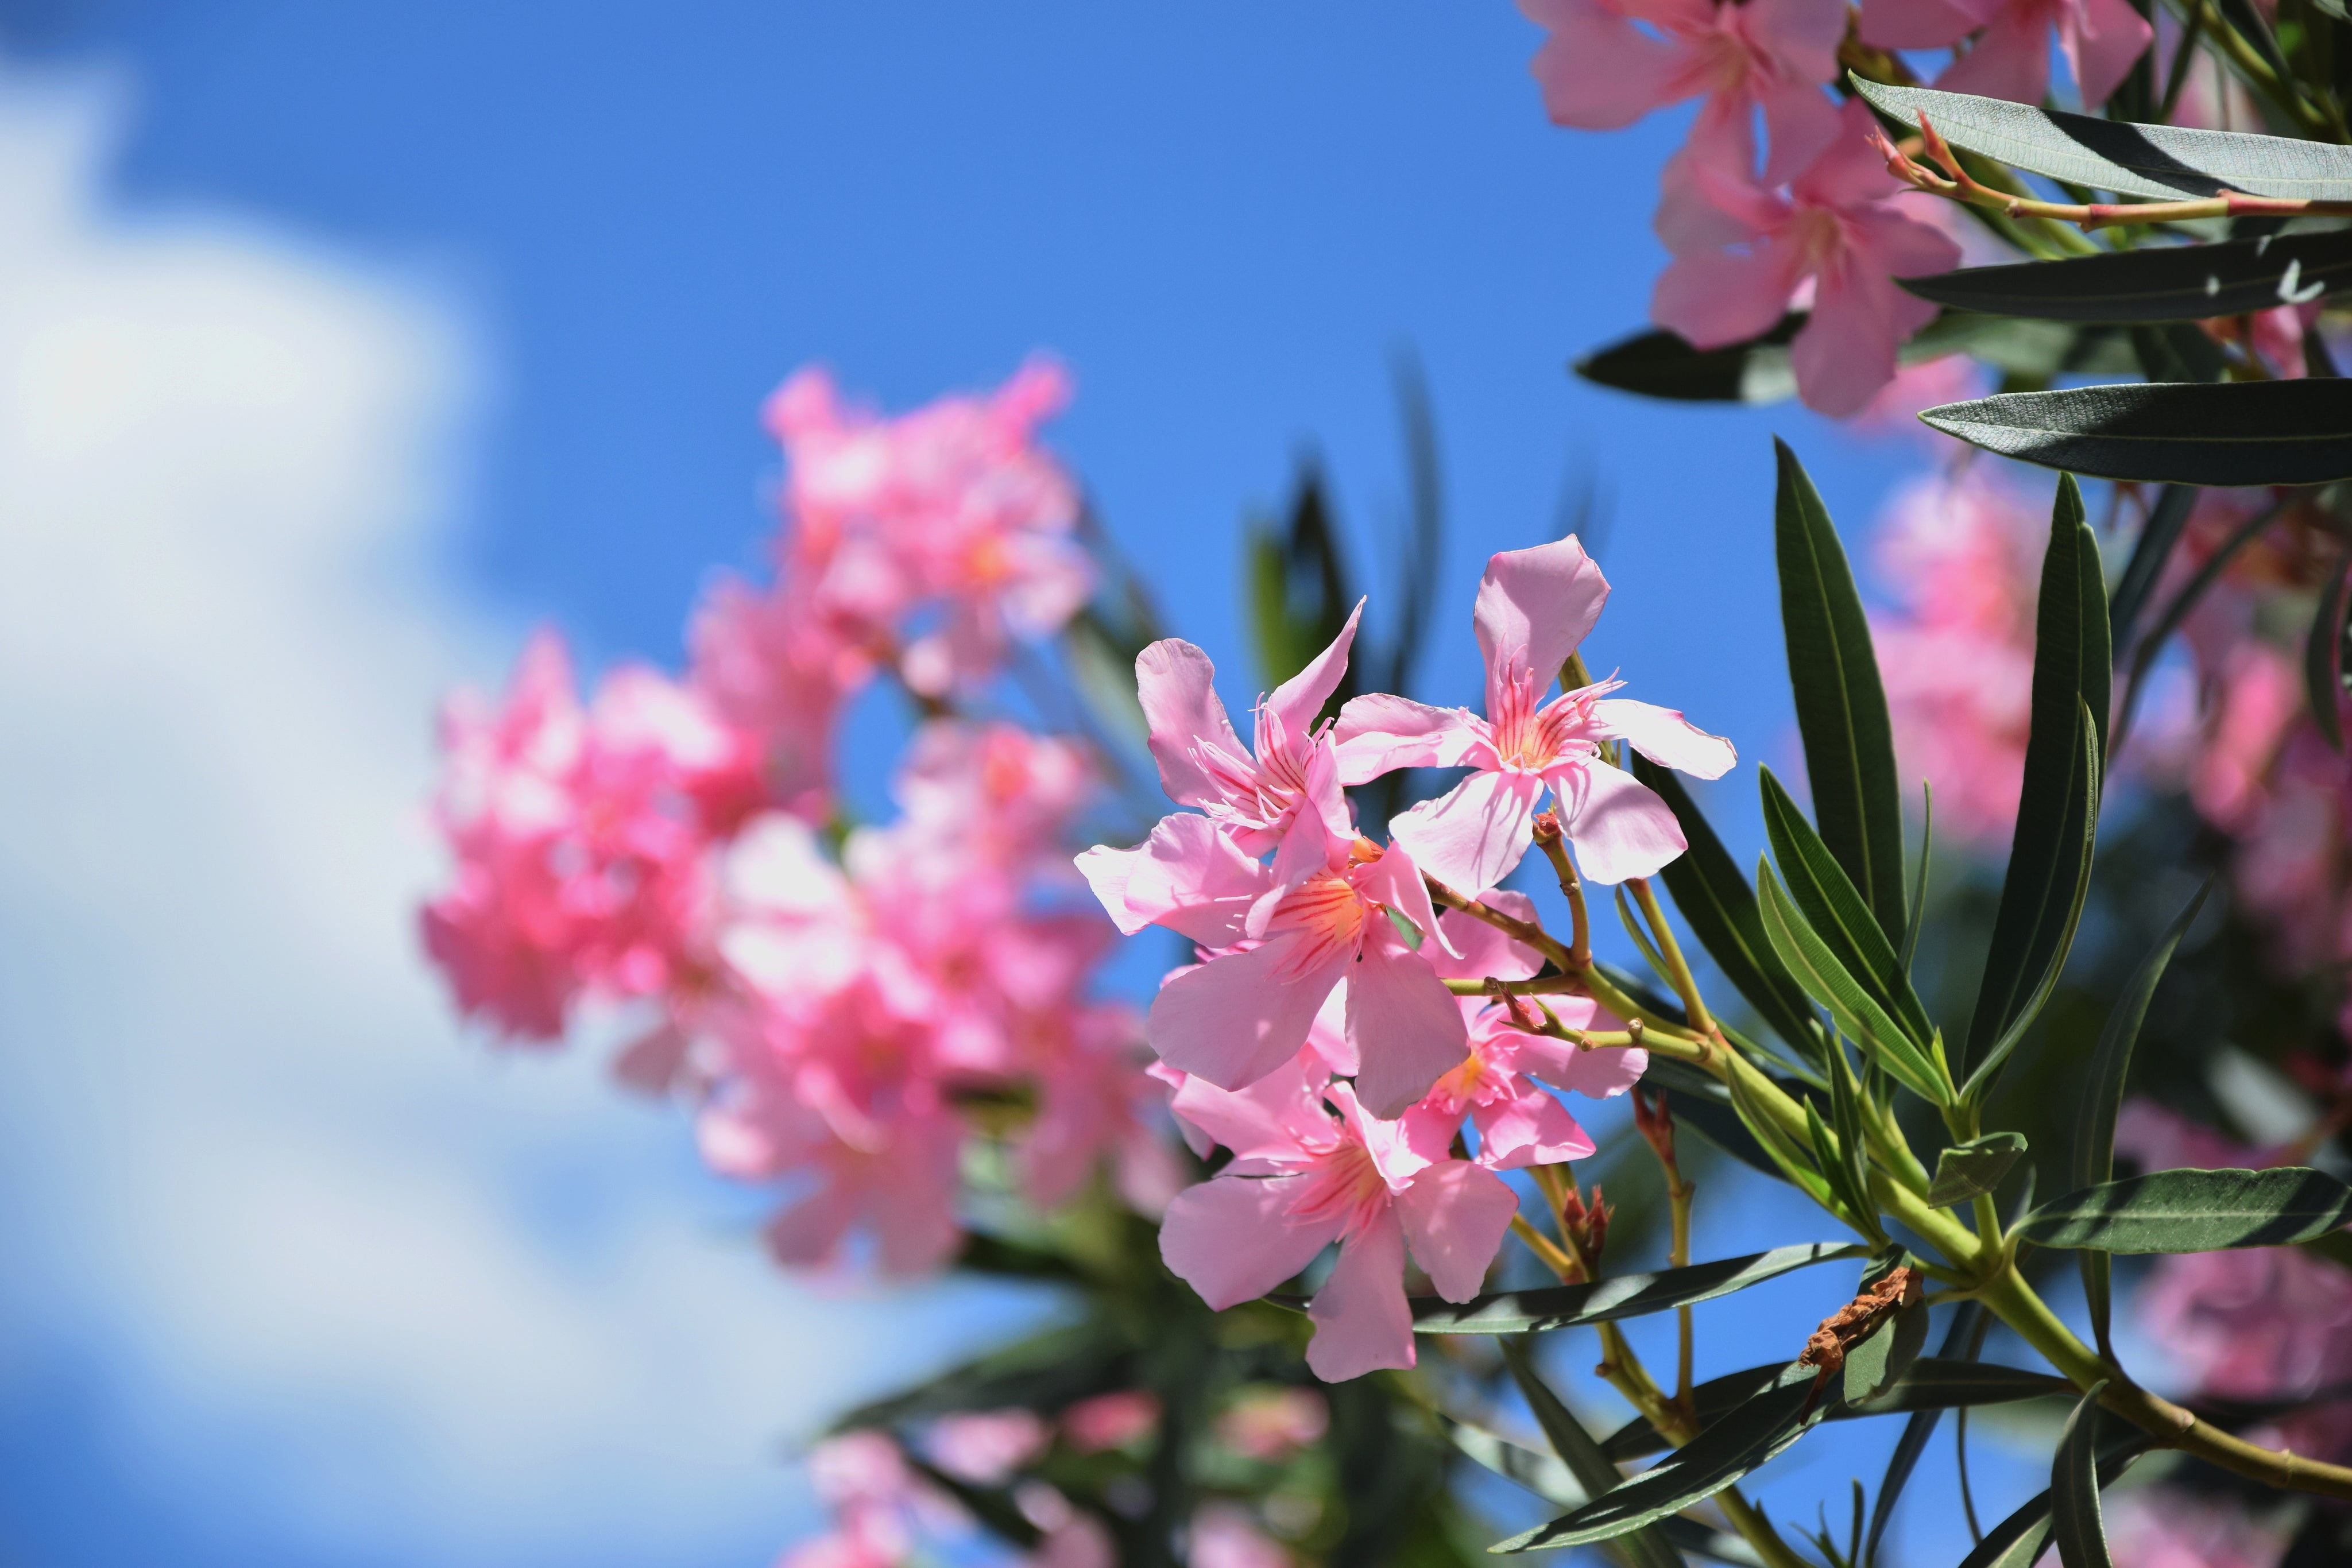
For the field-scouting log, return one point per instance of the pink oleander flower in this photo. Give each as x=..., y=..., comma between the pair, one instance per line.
x=1111, y=1420
x=1302, y=1177
x=1096, y=1103
x=1742, y=251
x=2162, y=1527
x=2011, y=57
x=1248, y=1008
x=2257, y=696
x=1269, y=1425
x=1601, y=70
x=987, y=1447
x=780, y=672
x=1223, y=1535
x=880, y=1507
x=1534, y=607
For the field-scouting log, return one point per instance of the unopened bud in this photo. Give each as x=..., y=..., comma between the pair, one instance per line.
x=1546, y=826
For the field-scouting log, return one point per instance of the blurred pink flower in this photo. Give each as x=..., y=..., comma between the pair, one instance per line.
x=987, y=1447
x=1225, y=1536
x=1895, y=409
x=1741, y=251
x=1111, y=1420
x=1269, y=1425
x=2163, y=1527
x=2011, y=57
x=1534, y=606
x=1608, y=62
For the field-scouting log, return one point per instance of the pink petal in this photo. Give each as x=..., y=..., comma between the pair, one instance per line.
x=1279, y=1117
x=1918, y=24
x=1328, y=1038
x=1237, y=1018
x=1800, y=36
x=1798, y=123
x=1711, y=299
x=1394, y=1153
x=2103, y=46
x=1600, y=72
x=1471, y=837
x=2010, y=59
x=1691, y=216
x=1407, y=1031
x=1362, y=1322
x=1598, y=1074
x=1455, y=1215
x=1187, y=876
x=1298, y=700
x=1305, y=849
x=1618, y=827
x=1232, y=1239
x=1483, y=949
x=1534, y=607
x=1529, y=1129
x=1176, y=683
x=1395, y=880
x=1664, y=737
x=1379, y=733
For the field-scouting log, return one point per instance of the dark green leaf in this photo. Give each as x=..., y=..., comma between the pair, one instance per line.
x=1918, y=1430
x=2034, y=924
x=1832, y=1160
x=2162, y=162
x=1719, y=907
x=2176, y=351
x=1700, y=1100
x=2322, y=655
x=1841, y=706
x=1835, y=909
x=1752, y=1434
x=2016, y=1542
x=2249, y=24
x=2074, y=1490
x=1919, y=875
x=2194, y=1211
x=1550, y=1479
x=1932, y=1383
x=1965, y=1171
x=1710, y=1402
x=1622, y=1296
x=1857, y=1013
x=2095, y=1151
x=2235, y=433
x=2155, y=283
x=1874, y=1366
x=1660, y=364
x=1578, y=1451
x=1795, y=1163
x=2166, y=519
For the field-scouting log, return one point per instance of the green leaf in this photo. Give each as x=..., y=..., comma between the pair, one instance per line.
x=1298, y=596
x=2231, y=434
x=1919, y=875
x=1932, y=1383
x=1888, y=1352
x=1834, y=906
x=1966, y=1170
x=2194, y=1211
x=1619, y=1297
x=1857, y=1013
x=1841, y=706
x=2074, y=1522
x=1550, y=1479
x=2058, y=807
x=2094, y=1150
x=2154, y=283
x=1795, y=1163
x=1958, y=1341
x=2166, y=520
x=1660, y=364
x=2322, y=655
x=2162, y=162
x=1719, y=907
x=1832, y=1160
x=2176, y=351
x=1702, y=1102
x=2019, y=1540
x=1771, y=1419
x=1580, y=1453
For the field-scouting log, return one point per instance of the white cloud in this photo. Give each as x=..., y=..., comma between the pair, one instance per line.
x=332, y=1269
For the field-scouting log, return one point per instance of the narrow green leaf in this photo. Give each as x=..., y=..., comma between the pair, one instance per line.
x=1833, y=1166
x=1710, y=1402
x=2021, y=1539
x=2227, y=434
x=1719, y=907
x=2074, y=1522
x=1966, y=1170
x=2162, y=162
x=1841, y=705
x=2249, y=24
x=2322, y=655
x=1875, y=1365
x=1932, y=1384
x=1794, y=1162
x=2072, y=672
x=1917, y=1432
x=1827, y=982
x=2166, y=520
x=1642, y=942
x=2094, y=1150
x=1835, y=908
x=1662, y=365
x=1702, y=1102
x=2154, y=283
x=1619, y=1297
x=2194, y=1211
x=1750, y=1435
x=1846, y=1107
x=1550, y=1479
x=1919, y=875
x=2176, y=351
x=1581, y=1455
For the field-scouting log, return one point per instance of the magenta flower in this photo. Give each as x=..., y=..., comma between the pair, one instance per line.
x=1303, y=1177
x=1534, y=607
x=2011, y=59
x=1742, y=252
x=1602, y=69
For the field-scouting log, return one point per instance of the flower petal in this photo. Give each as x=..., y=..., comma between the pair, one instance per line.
x=1530, y=1128
x=1534, y=607
x=2103, y=46
x=1362, y=1322
x=1237, y=1017
x=1619, y=827
x=1664, y=737
x=1176, y=683
x=1378, y=734
x=1407, y=1029
x=1471, y=837
x=1455, y=1215
x=1232, y=1239
x=1187, y=876
x=1279, y=1117
x=1600, y=72
x=1299, y=699
x=1482, y=949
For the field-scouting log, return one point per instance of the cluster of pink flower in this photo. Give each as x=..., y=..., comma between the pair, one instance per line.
x=1327, y=962
x=663, y=843
x=1818, y=224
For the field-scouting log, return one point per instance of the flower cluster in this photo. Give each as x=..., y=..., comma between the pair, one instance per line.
x=1317, y=1040
x=830, y=1001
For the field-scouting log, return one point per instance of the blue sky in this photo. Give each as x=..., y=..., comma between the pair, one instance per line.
x=551, y=261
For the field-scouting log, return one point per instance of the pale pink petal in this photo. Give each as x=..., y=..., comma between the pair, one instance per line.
x=1456, y=1216
x=2103, y=46
x=1379, y=733
x=1800, y=36
x=1711, y=299
x=1851, y=171
x=1722, y=135
x=1534, y=607
x=1187, y=876
x=2010, y=59
x=1237, y=1018
x=1328, y=1038
x=1305, y=850
x=1599, y=72
x=1664, y=737
x=1278, y=1117
x=1394, y=1153
x=1918, y=24
x=1298, y=700
x=1530, y=1128
x=1406, y=1029
x=1619, y=828
x=1395, y=880
x=1362, y=1322
x=1800, y=120
x=1471, y=837
x=1483, y=949
x=1176, y=683
x=1600, y=1073
x=1698, y=212
x=1232, y=1239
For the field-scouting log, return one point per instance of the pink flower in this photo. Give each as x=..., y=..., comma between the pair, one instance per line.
x=2163, y=1527
x=1741, y=252
x=778, y=672
x=1225, y=1536
x=1302, y=1177
x=1601, y=70
x=1096, y=1103
x=1270, y=1425
x=1248, y=1010
x=986, y=1446
x=1111, y=1420
x=1534, y=607
x=2100, y=39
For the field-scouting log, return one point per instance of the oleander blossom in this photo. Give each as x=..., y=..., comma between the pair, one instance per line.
x=2100, y=39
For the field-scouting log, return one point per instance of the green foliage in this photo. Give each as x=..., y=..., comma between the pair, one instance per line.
x=2022, y=1538
x=2153, y=284
x=1850, y=1003
x=2232, y=434
x=2194, y=1211
x=1966, y=1172
x=1836, y=910
x=1929, y=1384
x=1645, y=1548
x=1611, y=1299
x=2074, y=1522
